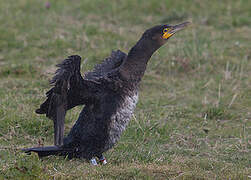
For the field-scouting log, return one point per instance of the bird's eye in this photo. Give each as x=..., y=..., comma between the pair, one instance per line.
x=165, y=30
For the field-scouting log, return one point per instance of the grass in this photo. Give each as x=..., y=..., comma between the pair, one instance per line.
x=193, y=117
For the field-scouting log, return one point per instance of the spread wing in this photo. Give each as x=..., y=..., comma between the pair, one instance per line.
x=69, y=88
x=109, y=64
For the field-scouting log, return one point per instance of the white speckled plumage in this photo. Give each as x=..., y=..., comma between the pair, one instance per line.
x=121, y=118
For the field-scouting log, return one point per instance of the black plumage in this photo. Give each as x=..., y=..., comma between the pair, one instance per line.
x=109, y=93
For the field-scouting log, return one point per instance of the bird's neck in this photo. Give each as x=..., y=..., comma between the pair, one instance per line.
x=134, y=66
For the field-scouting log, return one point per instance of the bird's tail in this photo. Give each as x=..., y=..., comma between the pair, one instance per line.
x=48, y=150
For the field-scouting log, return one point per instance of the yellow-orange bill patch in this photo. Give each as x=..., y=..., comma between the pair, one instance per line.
x=167, y=35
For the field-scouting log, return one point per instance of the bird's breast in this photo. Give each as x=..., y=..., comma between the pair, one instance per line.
x=121, y=117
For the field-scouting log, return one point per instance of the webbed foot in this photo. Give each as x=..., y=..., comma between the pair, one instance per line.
x=93, y=162
x=102, y=160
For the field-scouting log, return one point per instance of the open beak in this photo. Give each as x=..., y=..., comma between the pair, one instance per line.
x=178, y=27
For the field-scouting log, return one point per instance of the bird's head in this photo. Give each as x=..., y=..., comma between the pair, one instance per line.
x=159, y=35
x=151, y=40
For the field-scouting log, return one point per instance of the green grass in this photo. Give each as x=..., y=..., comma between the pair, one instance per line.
x=193, y=119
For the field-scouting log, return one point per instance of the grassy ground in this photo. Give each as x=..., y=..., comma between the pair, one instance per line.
x=193, y=119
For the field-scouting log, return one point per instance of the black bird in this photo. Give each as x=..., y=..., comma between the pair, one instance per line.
x=109, y=93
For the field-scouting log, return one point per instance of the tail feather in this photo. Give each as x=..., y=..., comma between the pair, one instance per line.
x=48, y=150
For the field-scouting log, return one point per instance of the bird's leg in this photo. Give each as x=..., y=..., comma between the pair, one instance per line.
x=93, y=161
x=102, y=159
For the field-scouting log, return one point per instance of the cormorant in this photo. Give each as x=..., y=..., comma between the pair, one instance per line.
x=109, y=93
